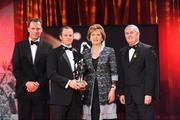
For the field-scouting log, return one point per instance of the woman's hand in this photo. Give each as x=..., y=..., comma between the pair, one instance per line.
x=111, y=95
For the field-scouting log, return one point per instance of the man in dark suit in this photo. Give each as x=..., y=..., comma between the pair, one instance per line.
x=139, y=85
x=29, y=68
x=65, y=89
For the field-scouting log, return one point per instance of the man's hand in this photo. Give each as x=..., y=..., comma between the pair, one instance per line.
x=147, y=99
x=32, y=86
x=75, y=84
x=83, y=85
x=122, y=99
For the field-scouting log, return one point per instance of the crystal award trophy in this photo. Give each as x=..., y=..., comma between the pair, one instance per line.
x=79, y=70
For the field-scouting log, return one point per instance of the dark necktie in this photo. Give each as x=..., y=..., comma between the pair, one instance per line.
x=36, y=43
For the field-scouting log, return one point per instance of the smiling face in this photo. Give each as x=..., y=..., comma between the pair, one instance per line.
x=131, y=35
x=96, y=34
x=66, y=36
x=35, y=30
x=96, y=37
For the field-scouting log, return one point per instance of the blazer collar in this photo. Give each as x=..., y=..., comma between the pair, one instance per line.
x=102, y=53
x=103, y=49
x=39, y=51
x=27, y=50
x=63, y=53
x=136, y=54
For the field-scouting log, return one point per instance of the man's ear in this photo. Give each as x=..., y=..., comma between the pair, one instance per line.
x=60, y=37
x=28, y=30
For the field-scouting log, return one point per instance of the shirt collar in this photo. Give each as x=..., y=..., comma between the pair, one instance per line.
x=32, y=40
x=66, y=45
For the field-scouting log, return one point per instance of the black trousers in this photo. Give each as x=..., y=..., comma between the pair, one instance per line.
x=139, y=111
x=32, y=109
x=67, y=112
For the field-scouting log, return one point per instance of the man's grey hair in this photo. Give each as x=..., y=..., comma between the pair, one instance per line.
x=134, y=27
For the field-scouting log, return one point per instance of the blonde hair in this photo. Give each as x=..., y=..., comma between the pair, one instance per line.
x=95, y=27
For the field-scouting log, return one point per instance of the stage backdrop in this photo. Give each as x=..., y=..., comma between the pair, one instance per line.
x=8, y=109
x=114, y=35
x=169, y=48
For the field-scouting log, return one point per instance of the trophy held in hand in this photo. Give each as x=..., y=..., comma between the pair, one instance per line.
x=79, y=72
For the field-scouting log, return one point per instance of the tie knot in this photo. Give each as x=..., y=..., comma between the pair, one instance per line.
x=66, y=48
x=134, y=47
x=36, y=43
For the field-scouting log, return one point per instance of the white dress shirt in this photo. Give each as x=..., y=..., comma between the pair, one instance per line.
x=70, y=56
x=33, y=49
x=131, y=52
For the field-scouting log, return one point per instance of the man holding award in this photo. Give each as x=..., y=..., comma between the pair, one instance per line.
x=62, y=70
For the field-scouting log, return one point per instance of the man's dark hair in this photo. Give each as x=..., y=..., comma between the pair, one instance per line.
x=65, y=27
x=33, y=20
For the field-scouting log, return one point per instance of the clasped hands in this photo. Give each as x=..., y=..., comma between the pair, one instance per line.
x=77, y=85
x=31, y=86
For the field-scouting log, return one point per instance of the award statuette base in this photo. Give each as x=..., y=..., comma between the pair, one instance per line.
x=83, y=83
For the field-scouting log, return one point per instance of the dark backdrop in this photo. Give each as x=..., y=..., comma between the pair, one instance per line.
x=114, y=35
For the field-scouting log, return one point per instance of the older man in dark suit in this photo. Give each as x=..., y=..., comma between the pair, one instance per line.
x=29, y=68
x=65, y=89
x=137, y=65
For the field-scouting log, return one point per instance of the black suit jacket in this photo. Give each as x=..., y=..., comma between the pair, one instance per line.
x=138, y=77
x=24, y=69
x=59, y=72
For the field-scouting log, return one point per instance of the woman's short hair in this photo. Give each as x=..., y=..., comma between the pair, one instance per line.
x=95, y=27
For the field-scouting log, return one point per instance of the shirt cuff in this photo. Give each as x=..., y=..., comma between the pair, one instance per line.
x=114, y=77
x=67, y=85
x=37, y=84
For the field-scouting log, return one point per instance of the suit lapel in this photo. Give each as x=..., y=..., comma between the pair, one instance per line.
x=38, y=52
x=67, y=60
x=89, y=60
x=137, y=53
x=64, y=55
x=101, y=57
x=126, y=56
x=27, y=50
